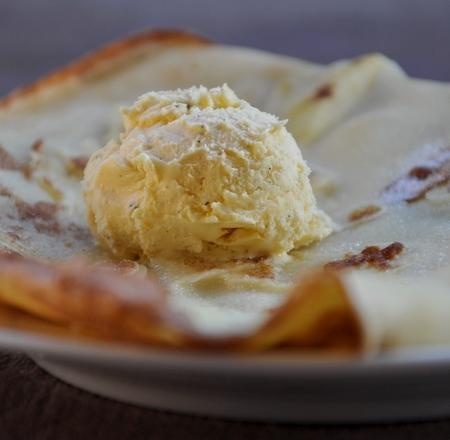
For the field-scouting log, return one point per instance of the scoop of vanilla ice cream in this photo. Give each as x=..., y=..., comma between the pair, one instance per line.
x=201, y=172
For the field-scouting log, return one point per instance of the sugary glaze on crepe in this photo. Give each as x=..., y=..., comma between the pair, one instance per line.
x=369, y=125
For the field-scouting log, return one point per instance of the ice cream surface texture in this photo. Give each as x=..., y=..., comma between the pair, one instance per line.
x=199, y=172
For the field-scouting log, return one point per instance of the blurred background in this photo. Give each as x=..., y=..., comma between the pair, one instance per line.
x=38, y=35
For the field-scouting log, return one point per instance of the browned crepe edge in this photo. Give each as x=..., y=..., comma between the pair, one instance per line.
x=316, y=314
x=103, y=60
x=98, y=299
x=104, y=304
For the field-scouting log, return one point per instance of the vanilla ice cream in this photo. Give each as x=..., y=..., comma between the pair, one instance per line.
x=200, y=172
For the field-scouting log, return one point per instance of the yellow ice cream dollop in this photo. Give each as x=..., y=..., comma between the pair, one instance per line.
x=200, y=172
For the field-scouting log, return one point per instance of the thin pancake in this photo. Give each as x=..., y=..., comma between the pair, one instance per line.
x=369, y=126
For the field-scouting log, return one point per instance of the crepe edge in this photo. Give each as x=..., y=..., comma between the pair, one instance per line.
x=78, y=299
x=103, y=59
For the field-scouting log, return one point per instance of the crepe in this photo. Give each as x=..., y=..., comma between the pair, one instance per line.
x=378, y=145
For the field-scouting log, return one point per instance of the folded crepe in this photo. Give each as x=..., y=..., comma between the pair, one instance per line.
x=378, y=144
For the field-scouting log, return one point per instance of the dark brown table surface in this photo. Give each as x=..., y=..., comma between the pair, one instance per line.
x=36, y=36
x=35, y=405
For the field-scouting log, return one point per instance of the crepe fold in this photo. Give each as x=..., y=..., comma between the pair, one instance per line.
x=49, y=128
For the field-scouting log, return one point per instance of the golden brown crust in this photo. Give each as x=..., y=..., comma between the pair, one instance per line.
x=15, y=319
x=8, y=162
x=78, y=299
x=97, y=60
x=75, y=166
x=363, y=213
x=317, y=314
x=370, y=256
x=94, y=297
x=419, y=180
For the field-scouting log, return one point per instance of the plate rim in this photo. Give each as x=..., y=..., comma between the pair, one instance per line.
x=295, y=364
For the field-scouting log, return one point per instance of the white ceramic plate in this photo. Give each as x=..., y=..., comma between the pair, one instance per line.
x=405, y=385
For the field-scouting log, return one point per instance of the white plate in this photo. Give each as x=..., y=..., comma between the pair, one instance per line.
x=405, y=385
